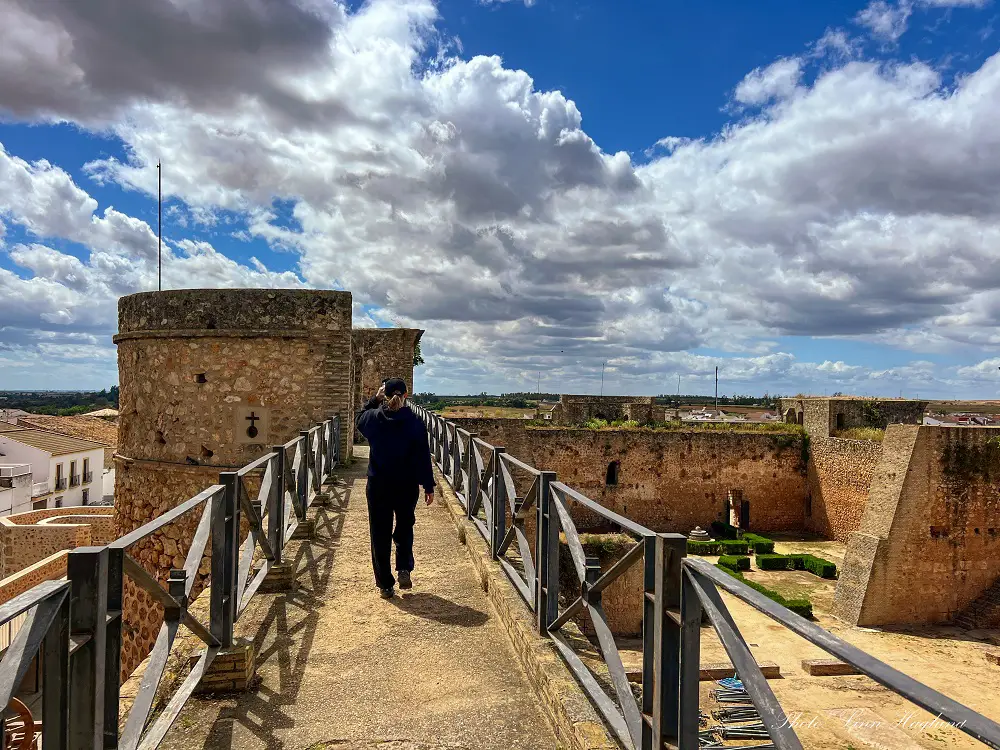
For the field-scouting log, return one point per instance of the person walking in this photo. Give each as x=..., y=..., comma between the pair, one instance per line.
x=399, y=464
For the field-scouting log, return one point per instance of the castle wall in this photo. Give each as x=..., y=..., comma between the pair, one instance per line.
x=670, y=481
x=929, y=541
x=377, y=354
x=840, y=476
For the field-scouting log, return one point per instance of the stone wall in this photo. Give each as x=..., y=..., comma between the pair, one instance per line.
x=577, y=410
x=380, y=353
x=27, y=538
x=669, y=481
x=194, y=367
x=51, y=568
x=840, y=475
x=822, y=416
x=929, y=541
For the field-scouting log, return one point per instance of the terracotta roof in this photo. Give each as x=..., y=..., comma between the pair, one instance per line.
x=85, y=427
x=53, y=442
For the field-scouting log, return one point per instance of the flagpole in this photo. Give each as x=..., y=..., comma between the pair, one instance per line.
x=159, y=227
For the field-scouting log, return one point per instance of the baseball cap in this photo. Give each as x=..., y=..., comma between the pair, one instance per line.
x=394, y=386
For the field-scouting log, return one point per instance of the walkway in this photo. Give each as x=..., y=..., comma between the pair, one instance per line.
x=341, y=668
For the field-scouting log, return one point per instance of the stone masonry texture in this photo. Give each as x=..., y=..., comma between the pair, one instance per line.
x=576, y=410
x=27, y=538
x=668, y=481
x=821, y=416
x=929, y=541
x=840, y=475
x=379, y=353
x=187, y=361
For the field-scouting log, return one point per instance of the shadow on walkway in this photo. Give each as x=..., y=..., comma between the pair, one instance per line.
x=285, y=633
x=433, y=607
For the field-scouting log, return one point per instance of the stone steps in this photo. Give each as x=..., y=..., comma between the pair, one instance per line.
x=983, y=612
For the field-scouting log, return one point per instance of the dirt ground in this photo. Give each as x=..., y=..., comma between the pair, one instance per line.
x=853, y=711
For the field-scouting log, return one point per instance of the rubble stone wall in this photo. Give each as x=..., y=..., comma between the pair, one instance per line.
x=669, y=481
x=191, y=363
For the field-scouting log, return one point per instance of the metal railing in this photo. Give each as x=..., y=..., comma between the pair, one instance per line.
x=77, y=624
x=88, y=477
x=74, y=480
x=499, y=494
x=60, y=484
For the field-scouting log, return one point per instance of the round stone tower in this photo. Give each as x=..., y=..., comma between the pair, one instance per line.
x=211, y=379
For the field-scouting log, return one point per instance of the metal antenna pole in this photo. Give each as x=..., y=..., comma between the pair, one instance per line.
x=603, y=365
x=716, y=390
x=159, y=227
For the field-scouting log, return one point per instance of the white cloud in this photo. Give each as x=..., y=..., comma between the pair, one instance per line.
x=452, y=194
x=886, y=21
x=779, y=80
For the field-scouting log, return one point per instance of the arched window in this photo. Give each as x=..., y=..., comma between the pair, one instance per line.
x=611, y=478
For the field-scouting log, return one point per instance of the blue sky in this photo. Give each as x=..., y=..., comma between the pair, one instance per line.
x=799, y=193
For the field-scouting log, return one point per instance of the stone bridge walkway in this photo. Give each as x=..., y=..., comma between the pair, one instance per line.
x=341, y=668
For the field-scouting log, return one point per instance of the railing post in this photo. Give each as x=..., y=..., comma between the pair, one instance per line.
x=331, y=447
x=302, y=480
x=455, y=442
x=87, y=571
x=55, y=661
x=547, y=554
x=661, y=638
x=446, y=450
x=336, y=439
x=276, y=505
x=225, y=556
x=690, y=667
x=472, y=472
x=499, y=519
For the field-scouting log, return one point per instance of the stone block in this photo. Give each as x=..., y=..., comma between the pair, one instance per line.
x=232, y=670
x=993, y=657
x=305, y=530
x=718, y=671
x=280, y=577
x=322, y=499
x=827, y=667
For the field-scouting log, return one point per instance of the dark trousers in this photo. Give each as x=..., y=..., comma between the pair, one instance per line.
x=388, y=503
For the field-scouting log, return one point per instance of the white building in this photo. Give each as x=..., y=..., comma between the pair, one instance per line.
x=66, y=471
x=15, y=488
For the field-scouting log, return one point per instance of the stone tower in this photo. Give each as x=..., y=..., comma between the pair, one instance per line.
x=210, y=380
x=380, y=353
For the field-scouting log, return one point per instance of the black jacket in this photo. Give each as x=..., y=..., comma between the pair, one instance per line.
x=399, y=450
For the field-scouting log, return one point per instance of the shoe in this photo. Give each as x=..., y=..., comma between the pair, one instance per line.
x=404, y=579
x=387, y=593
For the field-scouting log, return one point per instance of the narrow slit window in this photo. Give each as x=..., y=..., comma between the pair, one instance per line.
x=611, y=478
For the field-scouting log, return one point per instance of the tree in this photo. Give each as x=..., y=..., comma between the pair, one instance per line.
x=417, y=357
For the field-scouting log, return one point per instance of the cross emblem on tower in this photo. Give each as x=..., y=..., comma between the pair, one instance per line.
x=252, y=429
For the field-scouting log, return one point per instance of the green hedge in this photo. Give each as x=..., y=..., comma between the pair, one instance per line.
x=722, y=530
x=815, y=565
x=759, y=544
x=735, y=562
x=801, y=606
x=695, y=547
x=775, y=562
x=734, y=547
x=819, y=567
